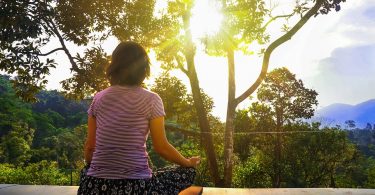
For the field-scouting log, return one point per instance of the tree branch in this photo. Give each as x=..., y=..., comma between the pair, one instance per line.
x=40, y=54
x=54, y=29
x=277, y=17
x=181, y=66
x=50, y=52
x=287, y=36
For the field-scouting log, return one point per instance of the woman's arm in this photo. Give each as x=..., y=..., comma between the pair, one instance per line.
x=164, y=148
x=90, y=140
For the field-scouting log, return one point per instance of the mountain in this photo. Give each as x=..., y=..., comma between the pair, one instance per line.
x=362, y=114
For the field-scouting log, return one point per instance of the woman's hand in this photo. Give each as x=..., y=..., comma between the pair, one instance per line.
x=194, y=161
x=165, y=149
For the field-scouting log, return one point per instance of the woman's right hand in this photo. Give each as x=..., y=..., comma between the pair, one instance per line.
x=194, y=161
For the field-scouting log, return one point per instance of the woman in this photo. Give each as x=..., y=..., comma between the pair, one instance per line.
x=119, y=121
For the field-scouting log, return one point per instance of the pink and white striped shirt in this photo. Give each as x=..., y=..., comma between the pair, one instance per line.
x=122, y=127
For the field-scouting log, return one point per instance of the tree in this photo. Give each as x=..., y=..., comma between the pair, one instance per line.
x=252, y=121
x=244, y=19
x=368, y=126
x=316, y=158
x=288, y=101
x=69, y=149
x=28, y=26
x=236, y=32
x=282, y=101
x=177, y=101
x=350, y=124
x=174, y=95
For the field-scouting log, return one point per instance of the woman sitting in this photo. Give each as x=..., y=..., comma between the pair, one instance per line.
x=120, y=119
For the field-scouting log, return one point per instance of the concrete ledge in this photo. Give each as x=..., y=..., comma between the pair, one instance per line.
x=15, y=189
x=288, y=191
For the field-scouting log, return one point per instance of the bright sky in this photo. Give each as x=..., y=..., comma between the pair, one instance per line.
x=333, y=54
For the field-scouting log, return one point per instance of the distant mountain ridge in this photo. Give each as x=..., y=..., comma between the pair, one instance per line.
x=338, y=113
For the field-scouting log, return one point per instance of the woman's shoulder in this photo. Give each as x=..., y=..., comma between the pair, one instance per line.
x=100, y=93
x=138, y=91
x=149, y=93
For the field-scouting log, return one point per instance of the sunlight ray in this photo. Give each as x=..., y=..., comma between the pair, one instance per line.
x=206, y=18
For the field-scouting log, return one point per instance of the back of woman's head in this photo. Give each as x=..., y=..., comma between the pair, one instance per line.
x=130, y=64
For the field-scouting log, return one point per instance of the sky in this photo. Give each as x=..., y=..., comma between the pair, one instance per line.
x=333, y=54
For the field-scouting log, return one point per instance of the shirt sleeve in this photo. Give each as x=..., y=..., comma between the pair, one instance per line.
x=157, y=107
x=92, y=109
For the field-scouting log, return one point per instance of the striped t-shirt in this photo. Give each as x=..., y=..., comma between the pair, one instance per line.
x=122, y=126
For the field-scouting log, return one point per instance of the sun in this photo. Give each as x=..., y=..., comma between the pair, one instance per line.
x=206, y=19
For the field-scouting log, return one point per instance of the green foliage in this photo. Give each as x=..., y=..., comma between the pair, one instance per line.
x=242, y=24
x=70, y=147
x=28, y=26
x=15, y=126
x=92, y=77
x=15, y=146
x=41, y=173
x=177, y=102
x=55, y=104
x=174, y=95
x=322, y=158
x=251, y=172
x=190, y=148
x=287, y=97
x=371, y=174
x=323, y=153
x=24, y=32
x=307, y=156
x=46, y=130
x=365, y=140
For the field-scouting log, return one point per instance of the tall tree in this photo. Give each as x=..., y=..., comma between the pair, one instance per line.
x=288, y=100
x=237, y=33
x=245, y=22
x=178, y=51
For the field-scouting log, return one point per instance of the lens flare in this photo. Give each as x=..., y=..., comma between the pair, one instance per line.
x=206, y=19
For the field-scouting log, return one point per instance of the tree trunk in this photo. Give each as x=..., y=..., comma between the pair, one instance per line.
x=277, y=151
x=332, y=179
x=206, y=135
x=229, y=127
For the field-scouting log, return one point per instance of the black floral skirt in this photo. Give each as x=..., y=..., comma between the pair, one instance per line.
x=170, y=180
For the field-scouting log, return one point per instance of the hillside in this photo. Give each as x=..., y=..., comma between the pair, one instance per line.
x=362, y=113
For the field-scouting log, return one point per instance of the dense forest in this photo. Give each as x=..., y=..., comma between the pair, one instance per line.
x=42, y=142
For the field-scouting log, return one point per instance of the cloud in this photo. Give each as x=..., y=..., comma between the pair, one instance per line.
x=354, y=61
x=370, y=13
x=358, y=23
x=347, y=76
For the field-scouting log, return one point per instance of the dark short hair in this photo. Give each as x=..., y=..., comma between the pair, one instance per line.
x=129, y=65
